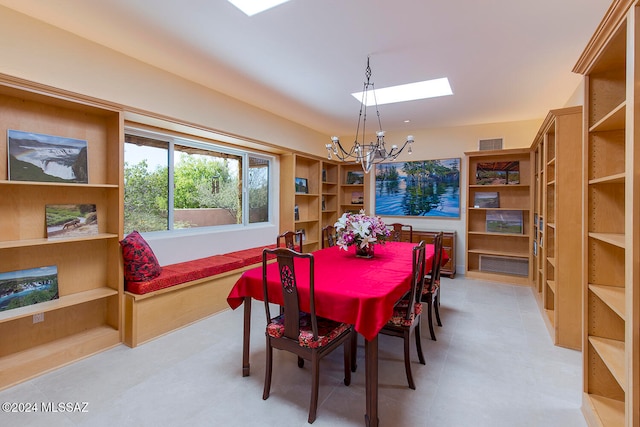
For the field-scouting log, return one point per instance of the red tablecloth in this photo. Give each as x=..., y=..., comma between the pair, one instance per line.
x=361, y=292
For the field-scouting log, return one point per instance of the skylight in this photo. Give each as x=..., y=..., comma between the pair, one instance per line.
x=252, y=7
x=408, y=92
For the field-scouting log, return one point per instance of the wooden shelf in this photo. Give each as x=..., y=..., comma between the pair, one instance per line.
x=552, y=285
x=63, y=301
x=618, y=178
x=610, y=238
x=615, y=120
x=603, y=411
x=612, y=354
x=499, y=253
x=612, y=296
x=27, y=364
x=57, y=184
x=86, y=318
x=39, y=242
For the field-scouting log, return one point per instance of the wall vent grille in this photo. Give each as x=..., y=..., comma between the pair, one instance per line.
x=490, y=144
x=504, y=265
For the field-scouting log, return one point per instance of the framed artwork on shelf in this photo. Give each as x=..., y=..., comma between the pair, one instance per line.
x=65, y=221
x=498, y=173
x=304, y=234
x=46, y=158
x=302, y=185
x=357, y=198
x=296, y=213
x=26, y=287
x=355, y=177
x=486, y=199
x=427, y=188
x=324, y=175
x=509, y=222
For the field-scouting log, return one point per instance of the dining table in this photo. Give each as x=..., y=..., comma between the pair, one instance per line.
x=358, y=291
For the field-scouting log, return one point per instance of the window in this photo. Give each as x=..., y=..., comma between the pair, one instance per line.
x=174, y=183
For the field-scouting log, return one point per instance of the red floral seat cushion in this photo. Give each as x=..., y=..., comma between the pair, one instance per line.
x=140, y=263
x=426, y=290
x=328, y=330
x=400, y=313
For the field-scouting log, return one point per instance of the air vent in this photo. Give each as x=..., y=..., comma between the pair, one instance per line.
x=490, y=144
x=504, y=265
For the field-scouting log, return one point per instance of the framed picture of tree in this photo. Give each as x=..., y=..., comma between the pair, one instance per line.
x=426, y=188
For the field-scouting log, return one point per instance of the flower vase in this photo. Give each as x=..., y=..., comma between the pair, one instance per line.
x=365, y=252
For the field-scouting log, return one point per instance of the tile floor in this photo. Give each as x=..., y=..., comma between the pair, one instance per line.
x=493, y=365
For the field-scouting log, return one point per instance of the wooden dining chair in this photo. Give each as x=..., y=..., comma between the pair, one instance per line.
x=304, y=334
x=398, y=229
x=406, y=313
x=291, y=240
x=431, y=289
x=329, y=237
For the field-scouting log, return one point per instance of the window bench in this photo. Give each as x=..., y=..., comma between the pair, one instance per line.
x=182, y=294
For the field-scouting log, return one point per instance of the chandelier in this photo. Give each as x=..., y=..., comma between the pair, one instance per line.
x=372, y=153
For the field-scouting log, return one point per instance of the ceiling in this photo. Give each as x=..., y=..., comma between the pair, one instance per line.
x=506, y=60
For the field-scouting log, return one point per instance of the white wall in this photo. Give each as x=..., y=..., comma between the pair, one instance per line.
x=41, y=53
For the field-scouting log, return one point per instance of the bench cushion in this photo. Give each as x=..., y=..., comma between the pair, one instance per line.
x=183, y=272
x=250, y=256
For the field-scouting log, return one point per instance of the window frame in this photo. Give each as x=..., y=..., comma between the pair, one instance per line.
x=213, y=146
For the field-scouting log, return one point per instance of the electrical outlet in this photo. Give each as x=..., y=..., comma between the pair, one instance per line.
x=38, y=317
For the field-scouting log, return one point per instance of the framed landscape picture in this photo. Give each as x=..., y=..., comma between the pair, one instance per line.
x=486, y=199
x=427, y=188
x=46, y=158
x=64, y=221
x=355, y=177
x=26, y=287
x=498, y=173
x=509, y=222
x=302, y=185
x=357, y=198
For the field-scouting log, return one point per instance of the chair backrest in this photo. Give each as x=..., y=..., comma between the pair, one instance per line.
x=417, y=277
x=397, y=229
x=437, y=261
x=292, y=240
x=328, y=236
x=286, y=261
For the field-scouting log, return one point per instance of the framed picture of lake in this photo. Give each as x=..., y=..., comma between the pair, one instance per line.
x=46, y=158
x=427, y=188
x=64, y=221
x=26, y=287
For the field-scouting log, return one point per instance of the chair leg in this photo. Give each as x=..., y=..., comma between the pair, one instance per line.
x=436, y=305
x=347, y=361
x=430, y=317
x=267, y=371
x=407, y=361
x=419, y=343
x=315, y=383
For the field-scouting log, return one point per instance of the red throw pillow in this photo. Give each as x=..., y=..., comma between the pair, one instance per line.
x=140, y=263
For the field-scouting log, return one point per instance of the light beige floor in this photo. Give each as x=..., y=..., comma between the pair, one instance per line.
x=493, y=365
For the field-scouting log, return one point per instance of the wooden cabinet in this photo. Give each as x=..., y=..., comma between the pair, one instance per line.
x=330, y=186
x=352, y=188
x=301, y=198
x=449, y=245
x=611, y=219
x=499, y=215
x=86, y=317
x=557, y=224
